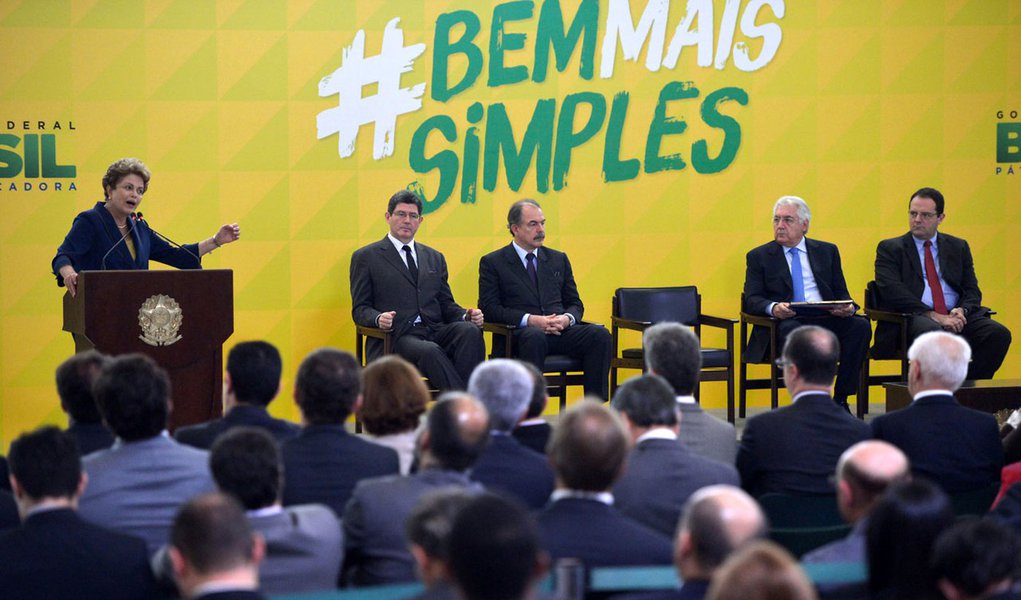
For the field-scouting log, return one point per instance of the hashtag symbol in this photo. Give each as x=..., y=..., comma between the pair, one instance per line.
x=381, y=109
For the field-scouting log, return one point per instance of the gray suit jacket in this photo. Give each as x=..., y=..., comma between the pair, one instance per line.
x=137, y=487
x=303, y=549
x=707, y=435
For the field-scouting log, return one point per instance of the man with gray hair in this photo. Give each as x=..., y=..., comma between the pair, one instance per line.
x=956, y=447
x=673, y=352
x=793, y=269
x=504, y=387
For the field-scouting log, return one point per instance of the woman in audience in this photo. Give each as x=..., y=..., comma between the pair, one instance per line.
x=393, y=398
x=762, y=570
x=901, y=532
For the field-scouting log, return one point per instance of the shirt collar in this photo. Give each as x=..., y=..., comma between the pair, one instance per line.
x=919, y=242
x=800, y=395
x=400, y=245
x=522, y=252
x=686, y=400
x=656, y=433
x=927, y=393
x=604, y=497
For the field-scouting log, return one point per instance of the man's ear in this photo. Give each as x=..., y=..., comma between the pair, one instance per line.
x=258, y=548
x=541, y=566
x=83, y=482
x=358, y=404
x=177, y=562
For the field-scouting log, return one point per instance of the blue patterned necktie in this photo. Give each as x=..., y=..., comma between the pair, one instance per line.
x=796, y=277
x=532, y=274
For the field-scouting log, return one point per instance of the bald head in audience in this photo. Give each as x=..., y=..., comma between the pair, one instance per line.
x=864, y=472
x=715, y=521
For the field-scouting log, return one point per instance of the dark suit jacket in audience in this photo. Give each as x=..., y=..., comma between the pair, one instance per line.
x=660, y=476
x=323, y=464
x=56, y=554
x=794, y=449
x=599, y=536
x=954, y=446
x=534, y=435
x=204, y=434
x=9, y=518
x=507, y=466
x=91, y=437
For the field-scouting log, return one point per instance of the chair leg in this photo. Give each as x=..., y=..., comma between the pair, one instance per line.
x=613, y=381
x=730, y=397
x=563, y=393
x=774, y=386
x=863, y=390
x=742, y=394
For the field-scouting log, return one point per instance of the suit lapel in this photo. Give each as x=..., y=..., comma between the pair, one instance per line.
x=819, y=270
x=911, y=253
x=779, y=265
x=514, y=263
x=390, y=255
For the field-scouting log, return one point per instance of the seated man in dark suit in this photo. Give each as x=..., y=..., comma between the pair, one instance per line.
x=795, y=449
x=56, y=554
x=75, y=377
x=949, y=444
x=661, y=472
x=375, y=547
x=428, y=531
x=251, y=382
x=793, y=268
x=323, y=464
x=531, y=287
x=931, y=276
x=977, y=558
x=504, y=387
x=400, y=285
x=588, y=451
x=214, y=552
x=534, y=431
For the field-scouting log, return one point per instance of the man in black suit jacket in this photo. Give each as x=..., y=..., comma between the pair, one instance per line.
x=770, y=287
x=531, y=287
x=795, y=449
x=323, y=464
x=55, y=553
x=534, y=431
x=401, y=286
x=75, y=377
x=588, y=452
x=954, y=305
x=251, y=382
x=956, y=447
x=661, y=473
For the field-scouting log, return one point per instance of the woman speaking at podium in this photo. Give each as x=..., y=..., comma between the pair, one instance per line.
x=112, y=234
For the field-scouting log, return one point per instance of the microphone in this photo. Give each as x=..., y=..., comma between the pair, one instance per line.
x=138, y=217
x=119, y=242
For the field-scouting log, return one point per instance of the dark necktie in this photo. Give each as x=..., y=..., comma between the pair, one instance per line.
x=939, y=304
x=411, y=263
x=796, y=277
x=530, y=258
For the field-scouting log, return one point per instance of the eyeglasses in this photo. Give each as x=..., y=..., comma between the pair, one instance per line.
x=786, y=220
x=130, y=188
x=914, y=214
x=782, y=362
x=400, y=214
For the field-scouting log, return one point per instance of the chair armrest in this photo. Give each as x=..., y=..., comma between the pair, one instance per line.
x=759, y=320
x=498, y=328
x=886, y=316
x=629, y=324
x=721, y=322
x=373, y=332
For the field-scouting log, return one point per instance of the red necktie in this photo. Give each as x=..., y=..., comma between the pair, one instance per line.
x=938, y=303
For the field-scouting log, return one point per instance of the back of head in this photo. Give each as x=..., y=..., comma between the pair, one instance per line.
x=718, y=519
x=75, y=377
x=255, y=369
x=327, y=385
x=867, y=469
x=538, y=402
x=942, y=359
x=978, y=557
x=588, y=447
x=430, y=521
x=46, y=463
x=212, y=534
x=245, y=463
x=504, y=387
x=393, y=396
x=494, y=549
x=762, y=570
x=133, y=395
x=815, y=352
x=458, y=428
x=902, y=529
x=673, y=352
x=648, y=401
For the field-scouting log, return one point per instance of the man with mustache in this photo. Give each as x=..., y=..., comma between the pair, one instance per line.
x=531, y=287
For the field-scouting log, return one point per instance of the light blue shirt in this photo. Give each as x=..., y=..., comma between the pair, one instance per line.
x=399, y=245
x=811, y=288
x=522, y=255
x=949, y=295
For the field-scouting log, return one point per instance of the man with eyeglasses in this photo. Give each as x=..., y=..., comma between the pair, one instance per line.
x=793, y=268
x=401, y=286
x=531, y=287
x=931, y=276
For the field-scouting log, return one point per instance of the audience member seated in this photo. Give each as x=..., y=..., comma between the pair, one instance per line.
x=661, y=473
x=323, y=464
x=75, y=377
x=56, y=554
x=504, y=387
x=393, y=398
x=674, y=352
x=137, y=485
x=902, y=530
x=953, y=446
x=864, y=472
x=375, y=546
x=214, y=551
x=303, y=542
x=9, y=518
x=251, y=382
x=494, y=551
x=534, y=431
x=428, y=533
x=795, y=449
x=762, y=570
x=588, y=452
x=977, y=559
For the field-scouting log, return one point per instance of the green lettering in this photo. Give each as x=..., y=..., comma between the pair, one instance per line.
x=731, y=131
x=1008, y=142
x=443, y=49
x=501, y=41
x=49, y=159
x=615, y=169
x=567, y=138
x=550, y=34
x=11, y=161
x=538, y=141
x=445, y=160
x=662, y=125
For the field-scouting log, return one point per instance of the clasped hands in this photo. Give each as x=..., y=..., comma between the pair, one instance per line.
x=385, y=320
x=783, y=310
x=550, y=324
x=954, y=322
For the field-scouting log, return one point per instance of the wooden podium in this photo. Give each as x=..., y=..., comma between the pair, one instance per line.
x=179, y=318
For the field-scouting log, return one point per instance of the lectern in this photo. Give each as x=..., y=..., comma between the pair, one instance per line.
x=179, y=318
